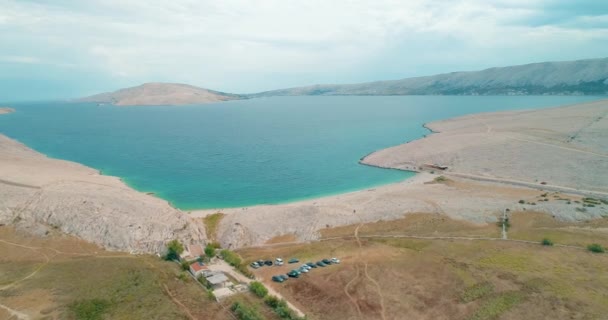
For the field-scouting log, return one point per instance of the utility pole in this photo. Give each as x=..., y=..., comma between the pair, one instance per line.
x=504, y=224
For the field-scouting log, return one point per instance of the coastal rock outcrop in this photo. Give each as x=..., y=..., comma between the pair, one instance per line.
x=37, y=192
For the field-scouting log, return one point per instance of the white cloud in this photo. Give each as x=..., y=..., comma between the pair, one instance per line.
x=211, y=42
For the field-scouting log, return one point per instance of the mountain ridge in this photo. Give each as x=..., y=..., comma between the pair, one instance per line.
x=577, y=77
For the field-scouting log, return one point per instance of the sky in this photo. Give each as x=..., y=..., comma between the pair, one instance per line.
x=65, y=49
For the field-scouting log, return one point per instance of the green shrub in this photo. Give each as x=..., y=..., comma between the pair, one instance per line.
x=202, y=280
x=272, y=301
x=280, y=308
x=92, y=309
x=234, y=260
x=258, y=288
x=209, y=251
x=546, y=242
x=183, y=276
x=522, y=201
x=185, y=265
x=174, y=249
x=245, y=312
x=210, y=295
x=596, y=248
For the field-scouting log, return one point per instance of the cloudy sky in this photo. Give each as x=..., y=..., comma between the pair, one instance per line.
x=62, y=48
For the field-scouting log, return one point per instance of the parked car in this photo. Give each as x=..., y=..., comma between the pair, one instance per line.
x=335, y=260
x=305, y=266
x=278, y=262
x=303, y=270
x=260, y=263
x=293, y=274
x=278, y=279
x=311, y=264
x=321, y=264
x=293, y=260
x=268, y=262
x=284, y=277
x=326, y=261
x=254, y=265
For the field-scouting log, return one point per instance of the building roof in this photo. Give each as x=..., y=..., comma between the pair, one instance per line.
x=197, y=266
x=196, y=250
x=217, y=278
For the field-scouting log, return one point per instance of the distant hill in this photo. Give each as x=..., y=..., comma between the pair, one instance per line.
x=161, y=94
x=582, y=77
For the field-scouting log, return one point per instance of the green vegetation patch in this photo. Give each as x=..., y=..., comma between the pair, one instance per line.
x=258, y=288
x=212, y=221
x=235, y=260
x=246, y=312
x=477, y=291
x=174, y=249
x=280, y=308
x=91, y=309
x=496, y=306
x=596, y=248
x=546, y=242
x=508, y=261
x=416, y=245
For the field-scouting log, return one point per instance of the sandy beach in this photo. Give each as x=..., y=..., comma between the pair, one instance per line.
x=494, y=160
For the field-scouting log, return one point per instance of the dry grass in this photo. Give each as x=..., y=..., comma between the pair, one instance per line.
x=285, y=238
x=440, y=279
x=80, y=274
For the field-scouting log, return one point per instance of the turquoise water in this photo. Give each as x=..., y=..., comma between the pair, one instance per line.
x=241, y=153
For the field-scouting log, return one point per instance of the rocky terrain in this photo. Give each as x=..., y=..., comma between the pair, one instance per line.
x=555, y=78
x=38, y=194
x=515, y=160
x=161, y=94
x=563, y=148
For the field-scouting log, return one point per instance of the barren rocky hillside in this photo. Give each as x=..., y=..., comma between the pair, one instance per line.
x=38, y=193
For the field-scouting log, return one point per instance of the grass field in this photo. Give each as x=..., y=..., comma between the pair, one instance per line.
x=71, y=279
x=400, y=278
x=60, y=277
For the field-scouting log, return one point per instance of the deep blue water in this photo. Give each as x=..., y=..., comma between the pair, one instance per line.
x=241, y=153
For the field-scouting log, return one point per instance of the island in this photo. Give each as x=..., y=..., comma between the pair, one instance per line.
x=157, y=93
x=5, y=110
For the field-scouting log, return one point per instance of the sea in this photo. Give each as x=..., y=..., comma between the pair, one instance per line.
x=247, y=152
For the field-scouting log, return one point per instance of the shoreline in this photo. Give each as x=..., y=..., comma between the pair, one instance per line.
x=39, y=193
x=460, y=197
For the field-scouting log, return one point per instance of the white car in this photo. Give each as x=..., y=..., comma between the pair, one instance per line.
x=305, y=266
x=335, y=260
x=278, y=262
x=303, y=270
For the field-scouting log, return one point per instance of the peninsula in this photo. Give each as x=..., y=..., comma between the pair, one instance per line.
x=156, y=93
